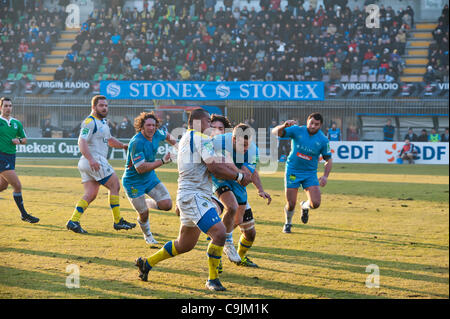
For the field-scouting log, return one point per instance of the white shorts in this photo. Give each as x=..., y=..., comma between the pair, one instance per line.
x=87, y=174
x=194, y=207
x=158, y=193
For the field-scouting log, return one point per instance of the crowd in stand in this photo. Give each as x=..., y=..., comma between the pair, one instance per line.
x=437, y=67
x=27, y=34
x=191, y=40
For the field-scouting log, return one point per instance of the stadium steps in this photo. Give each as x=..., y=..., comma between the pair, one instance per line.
x=57, y=55
x=416, y=57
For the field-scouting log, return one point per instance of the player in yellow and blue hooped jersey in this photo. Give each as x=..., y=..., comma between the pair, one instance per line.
x=11, y=134
x=308, y=144
x=140, y=178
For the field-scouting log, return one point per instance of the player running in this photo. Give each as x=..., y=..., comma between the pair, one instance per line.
x=94, y=139
x=196, y=162
x=11, y=134
x=140, y=177
x=308, y=143
x=244, y=154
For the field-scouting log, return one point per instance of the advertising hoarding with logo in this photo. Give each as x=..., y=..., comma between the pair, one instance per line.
x=387, y=152
x=188, y=90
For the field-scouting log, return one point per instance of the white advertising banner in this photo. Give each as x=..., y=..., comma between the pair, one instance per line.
x=387, y=152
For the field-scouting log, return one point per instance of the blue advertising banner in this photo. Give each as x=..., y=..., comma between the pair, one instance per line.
x=265, y=91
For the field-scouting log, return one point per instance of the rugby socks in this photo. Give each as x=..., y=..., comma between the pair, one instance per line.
x=214, y=254
x=114, y=201
x=306, y=205
x=168, y=251
x=244, y=246
x=145, y=227
x=81, y=206
x=288, y=214
x=229, y=238
x=19, y=202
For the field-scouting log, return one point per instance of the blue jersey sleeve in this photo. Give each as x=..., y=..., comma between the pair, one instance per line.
x=290, y=131
x=137, y=155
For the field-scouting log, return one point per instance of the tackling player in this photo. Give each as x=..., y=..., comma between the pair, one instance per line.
x=11, y=134
x=308, y=143
x=94, y=139
x=140, y=177
x=196, y=162
x=244, y=155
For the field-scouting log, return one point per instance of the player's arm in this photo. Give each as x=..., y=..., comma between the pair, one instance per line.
x=327, y=169
x=256, y=180
x=21, y=138
x=145, y=167
x=171, y=140
x=115, y=143
x=279, y=130
x=227, y=171
x=136, y=153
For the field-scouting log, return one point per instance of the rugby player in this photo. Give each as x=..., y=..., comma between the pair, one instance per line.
x=11, y=134
x=308, y=144
x=196, y=162
x=94, y=139
x=140, y=177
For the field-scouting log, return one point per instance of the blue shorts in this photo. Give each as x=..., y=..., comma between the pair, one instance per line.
x=135, y=189
x=221, y=186
x=7, y=162
x=304, y=179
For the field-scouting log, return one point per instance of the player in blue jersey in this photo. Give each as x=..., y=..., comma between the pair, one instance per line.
x=308, y=144
x=239, y=149
x=140, y=178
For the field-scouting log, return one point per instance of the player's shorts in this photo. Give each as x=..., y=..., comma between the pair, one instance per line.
x=7, y=162
x=136, y=189
x=295, y=179
x=158, y=193
x=88, y=174
x=219, y=204
x=197, y=210
x=221, y=186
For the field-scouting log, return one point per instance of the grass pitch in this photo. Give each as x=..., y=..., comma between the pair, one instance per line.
x=394, y=217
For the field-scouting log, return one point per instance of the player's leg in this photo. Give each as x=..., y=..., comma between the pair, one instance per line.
x=140, y=205
x=246, y=223
x=113, y=185
x=9, y=177
x=91, y=188
x=186, y=241
x=229, y=201
x=289, y=208
x=159, y=198
x=3, y=183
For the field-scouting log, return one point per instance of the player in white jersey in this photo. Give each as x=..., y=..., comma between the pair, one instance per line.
x=196, y=162
x=95, y=138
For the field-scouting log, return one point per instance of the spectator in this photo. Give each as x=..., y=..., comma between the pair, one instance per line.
x=47, y=129
x=423, y=137
x=434, y=136
x=388, y=131
x=334, y=133
x=352, y=133
x=444, y=136
x=411, y=135
x=125, y=129
x=408, y=152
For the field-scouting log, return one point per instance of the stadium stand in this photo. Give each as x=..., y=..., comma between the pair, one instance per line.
x=164, y=42
x=27, y=35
